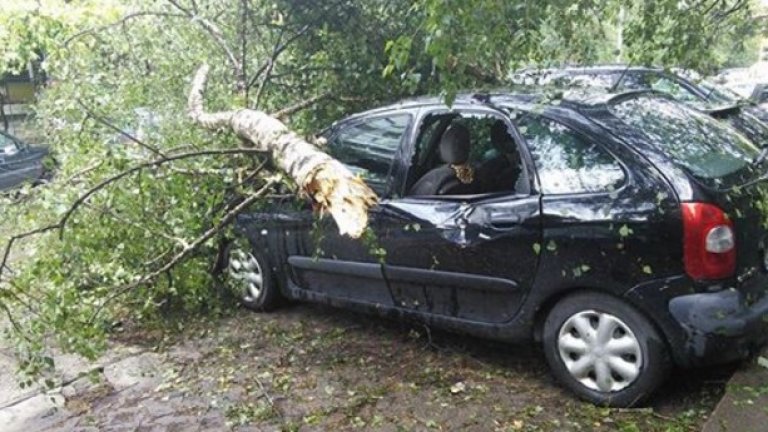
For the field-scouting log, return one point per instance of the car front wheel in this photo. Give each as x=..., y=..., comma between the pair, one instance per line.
x=604, y=350
x=251, y=280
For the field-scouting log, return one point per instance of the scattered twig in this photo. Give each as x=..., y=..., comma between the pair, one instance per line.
x=293, y=109
x=268, y=397
x=121, y=21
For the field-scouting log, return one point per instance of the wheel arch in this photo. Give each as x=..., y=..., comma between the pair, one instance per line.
x=545, y=307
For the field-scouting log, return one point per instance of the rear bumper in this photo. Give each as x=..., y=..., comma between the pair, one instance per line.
x=719, y=327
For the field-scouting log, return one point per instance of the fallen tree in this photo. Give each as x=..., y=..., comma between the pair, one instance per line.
x=328, y=182
x=127, y=232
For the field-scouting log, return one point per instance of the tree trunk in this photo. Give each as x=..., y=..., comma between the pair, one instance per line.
x=3, y=117
x=328, y=182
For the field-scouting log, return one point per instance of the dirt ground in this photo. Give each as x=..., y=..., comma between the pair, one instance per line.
x=315, y=368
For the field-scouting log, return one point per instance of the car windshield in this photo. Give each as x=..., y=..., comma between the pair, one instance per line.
x=708, y=149
x=624, y=80
x=719, y=94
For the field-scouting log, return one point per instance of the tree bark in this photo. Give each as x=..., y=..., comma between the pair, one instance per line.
x=2, y=111
x=327, y=181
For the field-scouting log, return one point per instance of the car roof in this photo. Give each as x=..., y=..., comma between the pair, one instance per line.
x=523, y=98
x=607, y=68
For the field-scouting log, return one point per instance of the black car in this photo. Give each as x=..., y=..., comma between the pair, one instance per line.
x=698, y=93
x=625, y=232
x=627, y=78
x=20, y=162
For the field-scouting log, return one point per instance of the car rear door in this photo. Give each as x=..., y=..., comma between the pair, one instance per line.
x=605, y=211
x=469, y=258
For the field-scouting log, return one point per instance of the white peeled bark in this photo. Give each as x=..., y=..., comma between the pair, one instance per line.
x=327, y=181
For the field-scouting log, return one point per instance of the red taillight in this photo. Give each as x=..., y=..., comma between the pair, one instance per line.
x=709, y=244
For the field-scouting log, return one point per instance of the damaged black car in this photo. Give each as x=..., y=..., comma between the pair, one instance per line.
x=627, y=233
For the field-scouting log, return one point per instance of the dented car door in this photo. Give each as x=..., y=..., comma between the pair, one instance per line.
x=461, y=259
x=337, y=266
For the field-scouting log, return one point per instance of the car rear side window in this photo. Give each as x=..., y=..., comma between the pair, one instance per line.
x=710, y=150
x=566, y=161
x=368, y=148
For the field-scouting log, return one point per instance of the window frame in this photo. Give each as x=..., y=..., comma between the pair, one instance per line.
x=589, y=139
x=684, y=86
x=334, y=131
x=459, y=110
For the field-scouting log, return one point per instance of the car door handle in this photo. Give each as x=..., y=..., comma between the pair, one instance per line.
x=505, y=222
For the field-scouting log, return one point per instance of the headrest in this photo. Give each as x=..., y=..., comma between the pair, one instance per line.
x=454, y=145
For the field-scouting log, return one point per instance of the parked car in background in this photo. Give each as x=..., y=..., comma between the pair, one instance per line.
x=624, y=78
x=626, y=232
x=760, y=95
x=20, y=162
x=748, y=83
x=684, y=86
x=756, y=92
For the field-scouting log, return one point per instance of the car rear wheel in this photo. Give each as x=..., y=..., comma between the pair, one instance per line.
x=604, y=349
x=251, y=280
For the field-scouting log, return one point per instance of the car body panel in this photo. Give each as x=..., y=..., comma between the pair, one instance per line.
x=435, y=247
x=703, y=94
x=19, y=162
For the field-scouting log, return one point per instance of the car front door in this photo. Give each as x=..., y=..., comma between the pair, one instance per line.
x=470, y=258
x=324, y=263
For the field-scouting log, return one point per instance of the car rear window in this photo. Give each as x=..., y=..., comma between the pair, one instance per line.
x=710, y=150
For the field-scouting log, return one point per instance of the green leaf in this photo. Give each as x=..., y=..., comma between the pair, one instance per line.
x=647, y=269
x=625, y=231
x=551, y=246
x=537, y=248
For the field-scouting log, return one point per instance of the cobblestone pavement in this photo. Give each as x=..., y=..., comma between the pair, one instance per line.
x=314, y=368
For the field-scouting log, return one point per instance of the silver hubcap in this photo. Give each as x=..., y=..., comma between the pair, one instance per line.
x=246, y=272
x=600, y=351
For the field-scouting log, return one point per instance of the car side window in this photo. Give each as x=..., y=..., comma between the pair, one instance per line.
x=465, y=152
x=566, y=161
x=367, y=148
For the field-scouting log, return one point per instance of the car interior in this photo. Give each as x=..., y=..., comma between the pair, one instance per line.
x=459, y=154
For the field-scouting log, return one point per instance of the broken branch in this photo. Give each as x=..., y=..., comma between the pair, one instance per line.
x=327, y=181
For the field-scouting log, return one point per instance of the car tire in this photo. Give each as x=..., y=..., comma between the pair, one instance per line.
x=251, y=280
x=604, y=350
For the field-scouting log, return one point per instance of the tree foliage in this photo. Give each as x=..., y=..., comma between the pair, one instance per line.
x=120, y=236
x=483, y=41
